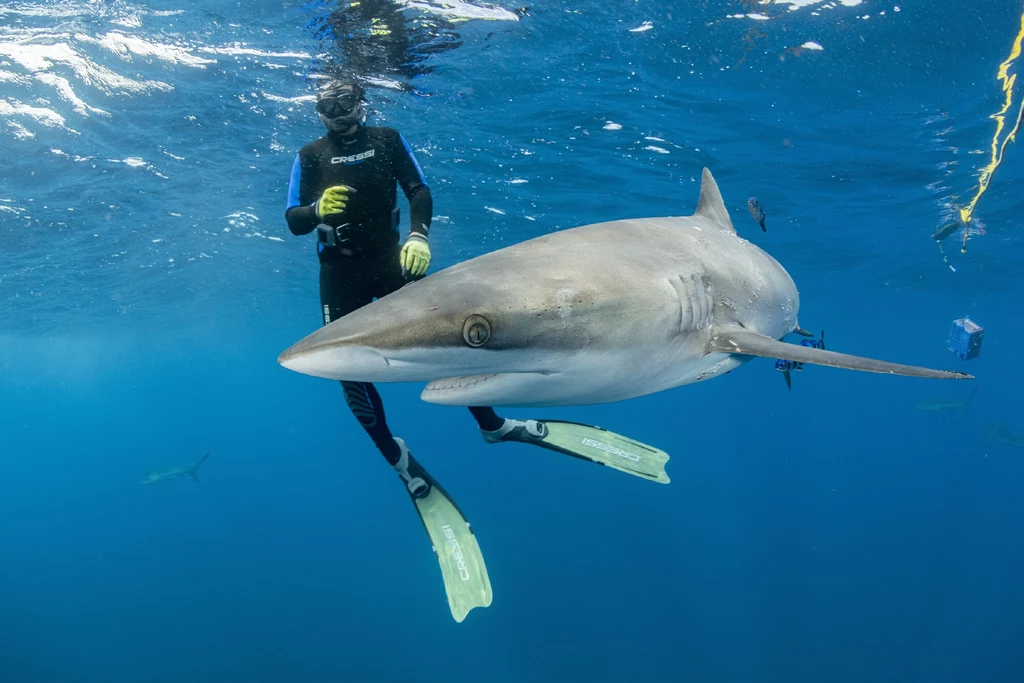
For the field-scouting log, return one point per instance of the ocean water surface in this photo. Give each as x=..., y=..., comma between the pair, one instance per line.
x=148, y=282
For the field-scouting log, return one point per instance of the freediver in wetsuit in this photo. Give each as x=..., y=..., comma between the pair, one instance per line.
x=343, y=188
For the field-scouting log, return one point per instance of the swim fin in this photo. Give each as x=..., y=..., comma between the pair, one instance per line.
x=587, y=442
x=462, y=564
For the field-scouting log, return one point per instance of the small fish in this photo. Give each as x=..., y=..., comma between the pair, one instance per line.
x=946, y=230
x=786, y=367
x=757, y=211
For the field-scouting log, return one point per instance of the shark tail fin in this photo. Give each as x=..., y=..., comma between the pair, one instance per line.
x=191, y=474
x=711, y=205
x=743, y=342
x=970, y=397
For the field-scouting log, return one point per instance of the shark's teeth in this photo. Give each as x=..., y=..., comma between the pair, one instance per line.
x=457, y=382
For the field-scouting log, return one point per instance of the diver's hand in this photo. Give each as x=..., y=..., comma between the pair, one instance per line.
x=416, y=254
x=333, y=200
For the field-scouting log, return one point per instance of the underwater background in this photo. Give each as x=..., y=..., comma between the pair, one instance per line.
x=148, y=282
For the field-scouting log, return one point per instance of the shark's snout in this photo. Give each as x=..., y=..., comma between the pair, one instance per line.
x=334, y=361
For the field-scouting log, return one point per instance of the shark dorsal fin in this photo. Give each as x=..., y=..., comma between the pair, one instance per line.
x=710, y=205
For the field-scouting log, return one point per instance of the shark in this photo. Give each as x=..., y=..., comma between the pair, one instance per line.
x=594, y=314
x=157, y=476
x=932, y=405
x=1000, y=434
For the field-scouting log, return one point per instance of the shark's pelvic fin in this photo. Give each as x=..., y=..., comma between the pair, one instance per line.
x=737, y=340
x=711, y=205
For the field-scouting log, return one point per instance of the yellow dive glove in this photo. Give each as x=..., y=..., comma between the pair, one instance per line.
x=416, y=254
x=333, y=200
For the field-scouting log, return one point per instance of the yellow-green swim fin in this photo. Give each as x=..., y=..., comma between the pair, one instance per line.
x=455, y=546
x=588, y=443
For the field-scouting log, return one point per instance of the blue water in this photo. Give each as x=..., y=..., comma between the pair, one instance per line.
x=148, y=282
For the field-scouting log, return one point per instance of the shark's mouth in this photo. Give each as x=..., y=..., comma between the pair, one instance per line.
x=456, y=383
x=507, y=388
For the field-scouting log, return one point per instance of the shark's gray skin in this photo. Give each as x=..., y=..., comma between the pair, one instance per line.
x=1000, y=434
x=594, y=314
x=933, y=405
x=157, y=476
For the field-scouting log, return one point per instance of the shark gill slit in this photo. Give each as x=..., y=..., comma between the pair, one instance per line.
x=702, y=294
x=682, y=298
x=695, y=305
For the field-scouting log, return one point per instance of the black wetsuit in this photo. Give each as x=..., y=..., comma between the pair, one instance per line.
x=364, y=264
x=371, y=161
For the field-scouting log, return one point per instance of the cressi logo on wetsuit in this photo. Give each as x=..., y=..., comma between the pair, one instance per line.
x=354, y=159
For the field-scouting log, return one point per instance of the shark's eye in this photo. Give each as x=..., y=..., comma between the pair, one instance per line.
x=476, y=331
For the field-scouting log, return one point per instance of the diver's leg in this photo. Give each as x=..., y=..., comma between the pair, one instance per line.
x=466, y=582
x=341, y=292
x=365, y=403
x=486, y=418
x=495, y=428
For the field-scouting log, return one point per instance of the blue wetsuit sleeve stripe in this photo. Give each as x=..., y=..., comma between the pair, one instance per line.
x=412, y=157
x=293, y=185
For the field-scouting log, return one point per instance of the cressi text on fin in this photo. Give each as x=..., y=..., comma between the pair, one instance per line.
x=600, y=446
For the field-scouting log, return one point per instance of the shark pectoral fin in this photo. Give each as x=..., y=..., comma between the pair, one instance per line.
x=744, y=342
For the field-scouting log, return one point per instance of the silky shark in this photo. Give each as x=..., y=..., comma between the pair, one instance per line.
x=1001, y=434
x=157, y=476
x=593, y=314
x=934, y=404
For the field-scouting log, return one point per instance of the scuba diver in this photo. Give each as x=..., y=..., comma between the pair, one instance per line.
x=343, y=188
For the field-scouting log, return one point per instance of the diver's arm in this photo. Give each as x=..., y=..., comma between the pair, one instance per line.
x=301, y=210
x=414, y=185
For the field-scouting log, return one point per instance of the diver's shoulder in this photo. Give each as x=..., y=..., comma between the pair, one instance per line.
x=381, y=133
x=313, y=148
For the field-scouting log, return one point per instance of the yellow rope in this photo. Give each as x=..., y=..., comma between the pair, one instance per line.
x=997, y=149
